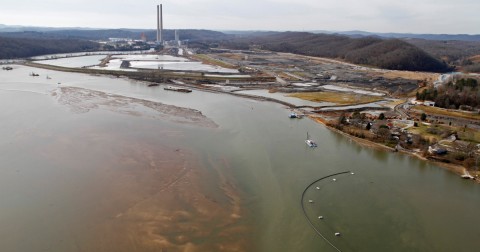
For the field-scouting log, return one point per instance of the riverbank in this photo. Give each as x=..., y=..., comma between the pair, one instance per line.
x=457, y=169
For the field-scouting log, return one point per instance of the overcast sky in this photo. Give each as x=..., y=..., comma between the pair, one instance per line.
x=409, y=16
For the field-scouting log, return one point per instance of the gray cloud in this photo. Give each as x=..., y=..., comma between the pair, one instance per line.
x=418, y=16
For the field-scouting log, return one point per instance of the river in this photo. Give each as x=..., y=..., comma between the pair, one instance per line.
x=78, y=172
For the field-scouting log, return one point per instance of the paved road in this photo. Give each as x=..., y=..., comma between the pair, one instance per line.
x=400, y=109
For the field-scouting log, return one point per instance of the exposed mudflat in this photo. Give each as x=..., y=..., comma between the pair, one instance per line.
x=81, y=100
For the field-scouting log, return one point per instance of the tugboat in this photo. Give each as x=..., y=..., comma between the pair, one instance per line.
x=310, y=142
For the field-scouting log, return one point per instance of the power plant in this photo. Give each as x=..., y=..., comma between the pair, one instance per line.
x=159, y=25
x=160, y=36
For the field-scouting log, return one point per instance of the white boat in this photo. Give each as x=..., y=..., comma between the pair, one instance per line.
x=310, y=142
x=295, y=115
x=466, y=175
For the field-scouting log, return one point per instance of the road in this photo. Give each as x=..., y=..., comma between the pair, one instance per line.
x=401, y=111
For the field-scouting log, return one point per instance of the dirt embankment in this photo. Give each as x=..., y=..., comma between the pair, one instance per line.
x=105, y=61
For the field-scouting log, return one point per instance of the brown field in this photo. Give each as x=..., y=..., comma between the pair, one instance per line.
x=475, y=58
x=336, y=97
x=446, y=112
x=411, y=75
x=234, y=56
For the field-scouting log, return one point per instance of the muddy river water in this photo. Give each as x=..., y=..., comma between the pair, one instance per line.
x=99, y=163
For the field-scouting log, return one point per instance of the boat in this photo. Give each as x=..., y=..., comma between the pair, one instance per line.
x=153, y=85
x=295, y=115
x=310, y=142
x=34, y=74
x=177, y=89
x=467, y=175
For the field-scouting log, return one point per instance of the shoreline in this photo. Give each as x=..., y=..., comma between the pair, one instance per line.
x=457, y=169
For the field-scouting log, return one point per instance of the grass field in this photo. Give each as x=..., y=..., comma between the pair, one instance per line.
x=445, y=112
x=211, y=61
x=336, y=97
x=233, y=56
x=469, y=135
x=422, y=130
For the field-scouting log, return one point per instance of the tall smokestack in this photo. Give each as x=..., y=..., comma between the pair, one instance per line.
x=161, y=25
x=158, y=24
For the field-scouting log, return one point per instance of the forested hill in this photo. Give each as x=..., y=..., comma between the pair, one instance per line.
x=21, y=48
x=187, y=34
x=32, y=43
x=383, y=53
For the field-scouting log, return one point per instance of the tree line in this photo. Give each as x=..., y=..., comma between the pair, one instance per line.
x=463, y=94
x=11, y=48
x=454, y=52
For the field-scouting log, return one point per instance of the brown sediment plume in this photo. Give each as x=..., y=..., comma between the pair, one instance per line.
x=154, y=198
x=181, y=215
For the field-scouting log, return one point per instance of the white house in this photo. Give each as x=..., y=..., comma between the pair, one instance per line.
x=429, y=103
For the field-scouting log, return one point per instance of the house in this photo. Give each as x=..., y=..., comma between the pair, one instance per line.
x=429, y=103
x=437, y=151
x=415, y=102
